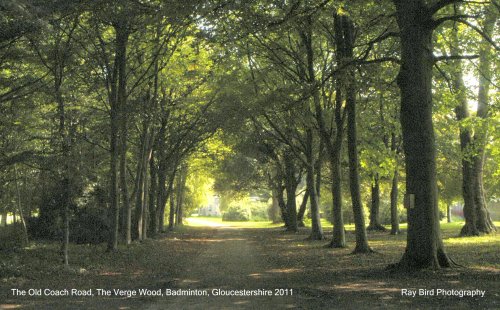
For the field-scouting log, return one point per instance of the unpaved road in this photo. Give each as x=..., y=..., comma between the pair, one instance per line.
x=232, y=262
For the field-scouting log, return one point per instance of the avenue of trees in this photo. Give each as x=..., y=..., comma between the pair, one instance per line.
x=117, y=115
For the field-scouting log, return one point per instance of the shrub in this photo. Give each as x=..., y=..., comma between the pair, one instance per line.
x=89, y=226
x=236, y=213
x=12, y=237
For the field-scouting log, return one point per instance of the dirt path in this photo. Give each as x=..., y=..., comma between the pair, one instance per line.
x=232, y=262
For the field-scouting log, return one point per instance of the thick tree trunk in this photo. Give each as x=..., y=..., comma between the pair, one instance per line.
x=275, y=207
x=282, y=205
x=338, y=238
x=479, y=220
x=375, y=206
x=466, y=147
x=424, y=246
x=291, y=188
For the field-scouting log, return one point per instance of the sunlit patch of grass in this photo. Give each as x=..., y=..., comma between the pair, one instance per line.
x=201, y=221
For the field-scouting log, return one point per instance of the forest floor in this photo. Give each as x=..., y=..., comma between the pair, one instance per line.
x=212, y=256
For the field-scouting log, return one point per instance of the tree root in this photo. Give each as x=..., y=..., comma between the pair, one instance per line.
x=376, y=227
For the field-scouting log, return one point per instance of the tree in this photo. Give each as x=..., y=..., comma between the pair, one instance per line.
x=477, y=218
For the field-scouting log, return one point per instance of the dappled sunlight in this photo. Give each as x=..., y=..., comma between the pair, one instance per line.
x=255, y=275
x=110, y=273
x=189, y=281
x=211, y=240
x=10, y=306
x=197, y=222
x=241, y=302
x=372, y=287
x=284, y=270
x=491, y=239
x=216, y=222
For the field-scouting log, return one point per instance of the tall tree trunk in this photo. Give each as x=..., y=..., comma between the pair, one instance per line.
x=65, y=149
x=118, y=99
x=4, y=218
x=21, y=215
x=145, y=197
x=335, y=148
x=394, y=190
x=181, y=187
x=375, y=206
x=481, y=221
x=171, y=217
x=141, y=180
x=291, y=188
x=282, y=205
x=127, y=206
x=352, y=148
x=275, y=207
x=302, y=209
x=424, y=246
x=153, y=188
x=462, y=114
x=316, y=230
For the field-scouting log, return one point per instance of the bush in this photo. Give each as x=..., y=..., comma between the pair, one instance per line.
x=89, y=226
x=236, y=213
x=12, y=237
x=259, y=211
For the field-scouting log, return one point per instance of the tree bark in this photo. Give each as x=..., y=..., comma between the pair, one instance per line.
x=275, y=207
x=118, y=97
x=291, y=188
x=352, y=149
x=123, y=120
x=4, y=218
x=153, y=188
x=21, y=214
x=316, y=230
x=478, y=220
x=302, y=209
x=466, y=147
x=394, y=190
x=424, y=246
x=181, y=186
x=65, y=152
x=171, y=217
x=375, y=206
x=282, y=205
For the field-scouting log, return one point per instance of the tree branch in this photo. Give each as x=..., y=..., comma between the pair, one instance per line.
x=482, y=33
x=437, y=22
x=441, y=4
x=454, y=57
